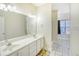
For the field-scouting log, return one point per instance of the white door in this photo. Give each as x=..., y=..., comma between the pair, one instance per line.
x=2, y=28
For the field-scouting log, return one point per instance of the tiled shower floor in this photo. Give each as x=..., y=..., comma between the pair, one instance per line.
x=61, y=46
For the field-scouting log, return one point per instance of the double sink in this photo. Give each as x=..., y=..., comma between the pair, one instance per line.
x=5, y=50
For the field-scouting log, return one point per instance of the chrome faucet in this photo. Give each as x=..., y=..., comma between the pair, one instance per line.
x=9, y=44
x=6, y=40
x=34, y=35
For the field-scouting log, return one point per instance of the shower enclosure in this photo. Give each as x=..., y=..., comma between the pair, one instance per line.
x=62, y=44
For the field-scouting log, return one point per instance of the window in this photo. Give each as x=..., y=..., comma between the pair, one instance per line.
x=65, y=26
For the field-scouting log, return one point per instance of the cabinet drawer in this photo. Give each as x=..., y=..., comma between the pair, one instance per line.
x=24, y=51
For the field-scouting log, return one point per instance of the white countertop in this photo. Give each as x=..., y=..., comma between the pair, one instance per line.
x=18, y=44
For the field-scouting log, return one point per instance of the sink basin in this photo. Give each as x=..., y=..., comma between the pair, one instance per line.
x=13, y=45
x=9, y=48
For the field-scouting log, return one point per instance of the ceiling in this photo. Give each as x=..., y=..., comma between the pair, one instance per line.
x=61, y=7
x=38, y=4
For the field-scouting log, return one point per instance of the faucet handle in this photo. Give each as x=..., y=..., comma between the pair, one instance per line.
x=9, y=44
x=3, y=33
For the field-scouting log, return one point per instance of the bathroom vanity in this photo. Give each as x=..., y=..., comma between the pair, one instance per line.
x=18, y=34
x=28, y=46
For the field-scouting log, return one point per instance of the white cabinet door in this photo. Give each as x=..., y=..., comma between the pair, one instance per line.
x=2, y=32
x=38, y=45
x=13, y=54
x=24, y=51
x=32, y=47
x=42, y=43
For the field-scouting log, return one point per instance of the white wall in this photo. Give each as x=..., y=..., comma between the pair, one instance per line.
x=62, y=9
x=44, y=24
x=63, y=16
x=74, y=42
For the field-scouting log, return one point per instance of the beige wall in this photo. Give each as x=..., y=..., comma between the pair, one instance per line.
x=44, y=24
x=2, y=27
x=74, y=39
x=54, y=26
x=27, y=8
x=15, y=24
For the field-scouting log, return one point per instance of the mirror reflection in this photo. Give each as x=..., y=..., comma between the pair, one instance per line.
x=14, y=24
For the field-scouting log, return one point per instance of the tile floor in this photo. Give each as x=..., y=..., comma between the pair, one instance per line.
x=61, y=46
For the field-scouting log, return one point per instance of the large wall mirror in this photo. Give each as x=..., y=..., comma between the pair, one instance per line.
x=13, y=24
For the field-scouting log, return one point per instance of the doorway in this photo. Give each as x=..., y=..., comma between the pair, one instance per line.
x=61, y=43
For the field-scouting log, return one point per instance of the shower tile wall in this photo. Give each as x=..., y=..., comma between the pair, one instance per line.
x=62, y=45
